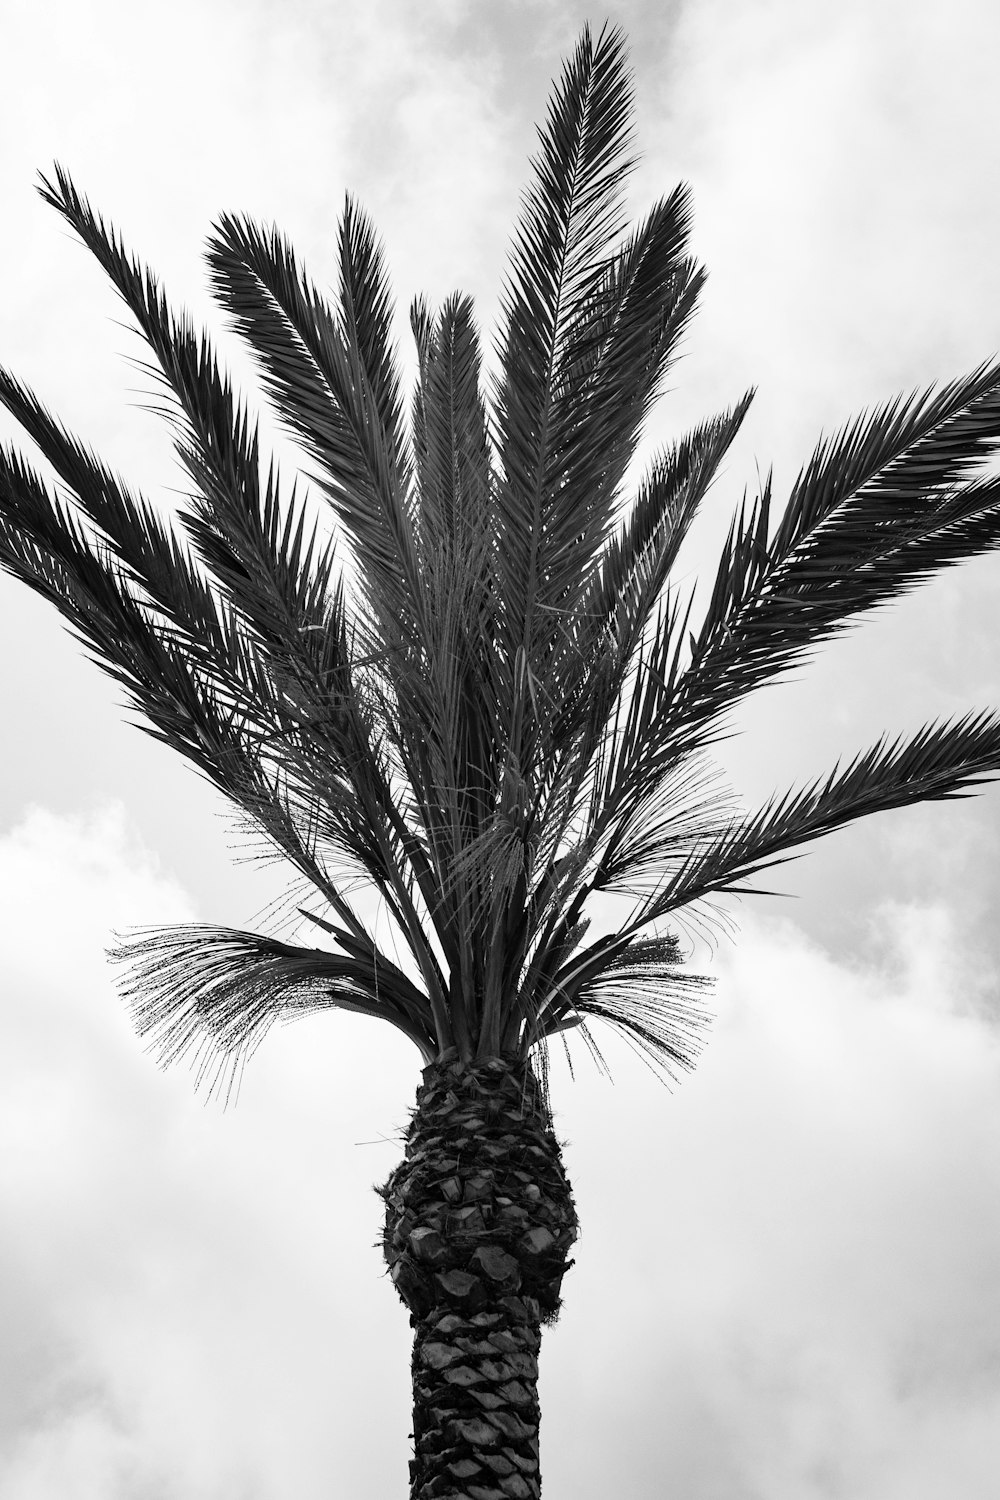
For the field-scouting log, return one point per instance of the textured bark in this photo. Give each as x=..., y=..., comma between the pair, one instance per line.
x=478, y=1227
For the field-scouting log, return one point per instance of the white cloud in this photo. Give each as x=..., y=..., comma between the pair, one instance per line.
x=193, y=1300
x=792, y=1289
x=786, y=1285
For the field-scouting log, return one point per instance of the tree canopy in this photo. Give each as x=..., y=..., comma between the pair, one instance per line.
x=504, y=707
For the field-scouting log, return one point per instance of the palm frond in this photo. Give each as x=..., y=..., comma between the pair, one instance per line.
x=367, y=314
x=150, y=551
x=619, y=350
x=454, y=464
x=608, y=625
x=44, y=544
x=334, y=384
x=637, y=987
x=261, y=558
x=221, y=723
x=774, y=603
x=942, y=761
x=257, y=551
x=874, y=513
x=210, y=994
x=571, y=215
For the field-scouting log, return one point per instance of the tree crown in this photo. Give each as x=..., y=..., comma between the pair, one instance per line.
x=508, y=712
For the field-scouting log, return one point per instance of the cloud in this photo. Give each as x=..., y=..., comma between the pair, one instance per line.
x=191, y=1299
x=788, y=1279
x=786, y=1285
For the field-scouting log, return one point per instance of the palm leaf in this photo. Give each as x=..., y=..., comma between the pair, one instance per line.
x=149, y=550
x=873, y=513
x=620, y=349
x=571, y=215
x=261, y=558
x=635, y=985
x=608, y=625
x=772, y=604
x=941, y=761
x=333, y=383
x=264, y=562
x=454, y=464
x=210, y=994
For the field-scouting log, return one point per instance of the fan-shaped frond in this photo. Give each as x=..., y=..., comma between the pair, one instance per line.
x=638, y=988
x=210, y=994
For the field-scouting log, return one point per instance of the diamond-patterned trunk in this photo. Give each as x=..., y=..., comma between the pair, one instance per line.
x=478, y=1227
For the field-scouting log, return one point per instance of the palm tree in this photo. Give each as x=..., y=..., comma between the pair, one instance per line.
x=505, y=712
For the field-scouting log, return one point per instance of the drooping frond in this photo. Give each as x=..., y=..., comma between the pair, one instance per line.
x=43, y=543
x=148, y=550
x=210, y=994
x=186, y=695
x=271, y=568
x=637, y=986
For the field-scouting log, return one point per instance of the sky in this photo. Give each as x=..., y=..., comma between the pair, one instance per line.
x=788, y=1281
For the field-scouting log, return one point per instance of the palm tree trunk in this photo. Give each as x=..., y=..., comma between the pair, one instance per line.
x=478, y=1226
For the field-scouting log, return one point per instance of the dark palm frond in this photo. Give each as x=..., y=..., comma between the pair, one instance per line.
x=571, y=215
x=334, y=384
x=313, y=370
x=914, y=447
x=367, y=315
x=454, y=465
x=613, y=677
x=448, y=712
x=773, y=603
x=636, y=563
x=221, y=727
x=638, y=988
x=609, y=622
x=210, y=994
x=942, y=761
x=622, y=345
x=150, y=551
x=263, y=561
x=616, y=337
x=43, y=544
x=202, y=625
x=875, y=512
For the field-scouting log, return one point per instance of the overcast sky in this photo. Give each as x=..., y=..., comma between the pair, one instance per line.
x=788, y=1282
